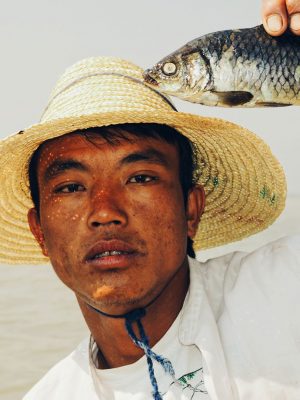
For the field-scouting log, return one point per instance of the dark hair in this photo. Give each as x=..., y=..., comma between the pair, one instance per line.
x=114, y=134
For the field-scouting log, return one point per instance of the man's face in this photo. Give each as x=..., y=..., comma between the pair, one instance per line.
x=112, y=217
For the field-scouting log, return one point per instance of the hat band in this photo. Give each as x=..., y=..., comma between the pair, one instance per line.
x=113, y=74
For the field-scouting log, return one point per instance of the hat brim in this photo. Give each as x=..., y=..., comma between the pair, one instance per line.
x=244, y=184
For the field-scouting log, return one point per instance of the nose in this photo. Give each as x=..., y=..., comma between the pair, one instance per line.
x=106, y=209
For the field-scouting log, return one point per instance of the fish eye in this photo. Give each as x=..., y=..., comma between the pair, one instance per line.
x=169, y=68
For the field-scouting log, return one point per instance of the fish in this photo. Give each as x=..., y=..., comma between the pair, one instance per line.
x=232, y=68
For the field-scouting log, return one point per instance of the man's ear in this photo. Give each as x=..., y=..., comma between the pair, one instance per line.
x=36, y=229
x=194, y=209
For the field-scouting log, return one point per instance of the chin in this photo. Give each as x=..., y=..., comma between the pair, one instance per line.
x=108, y=298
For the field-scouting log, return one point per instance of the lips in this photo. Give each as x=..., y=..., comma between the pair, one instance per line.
x=111, y=254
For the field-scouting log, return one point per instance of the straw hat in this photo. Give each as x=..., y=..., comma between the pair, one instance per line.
x=244, y=183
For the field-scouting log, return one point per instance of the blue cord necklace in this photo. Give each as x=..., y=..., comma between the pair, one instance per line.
x=142, y=342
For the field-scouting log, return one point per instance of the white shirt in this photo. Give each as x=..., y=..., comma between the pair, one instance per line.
x=132, y=382
x=241, y=312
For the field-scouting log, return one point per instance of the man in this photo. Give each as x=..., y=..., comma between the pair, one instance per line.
x=118, y=192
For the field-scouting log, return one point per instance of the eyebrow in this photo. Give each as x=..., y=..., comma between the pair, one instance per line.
x=60, y=166
x=149, y=155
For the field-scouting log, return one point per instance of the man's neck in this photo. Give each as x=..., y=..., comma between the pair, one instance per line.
x=116, y=347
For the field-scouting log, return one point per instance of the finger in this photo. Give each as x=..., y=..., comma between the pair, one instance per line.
x=293, y=8
x=274, y=16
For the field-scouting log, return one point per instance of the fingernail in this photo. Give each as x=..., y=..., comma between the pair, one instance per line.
x=274, y=22
x=295, y=22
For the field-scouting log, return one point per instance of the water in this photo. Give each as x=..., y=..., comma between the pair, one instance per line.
x=41, y=322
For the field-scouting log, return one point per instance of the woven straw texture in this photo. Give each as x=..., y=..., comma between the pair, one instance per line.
x=244, y=183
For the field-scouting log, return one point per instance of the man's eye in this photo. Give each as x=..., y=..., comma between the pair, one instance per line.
x=70, y=188
x=142, y=179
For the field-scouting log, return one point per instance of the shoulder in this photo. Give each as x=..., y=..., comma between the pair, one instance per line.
x=264, y=294
x=275, y=267
x=260, y=321
x=286, y=249
x=280, y=256
x=69, y=378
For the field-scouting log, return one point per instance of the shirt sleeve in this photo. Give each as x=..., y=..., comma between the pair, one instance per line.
x=260, y=322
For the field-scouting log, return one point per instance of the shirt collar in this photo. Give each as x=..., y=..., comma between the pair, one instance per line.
x=193, y=305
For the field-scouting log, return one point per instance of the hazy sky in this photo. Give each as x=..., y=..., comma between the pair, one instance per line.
x=40, y=38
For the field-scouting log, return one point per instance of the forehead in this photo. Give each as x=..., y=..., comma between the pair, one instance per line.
x=94, y=145
x=76, y=141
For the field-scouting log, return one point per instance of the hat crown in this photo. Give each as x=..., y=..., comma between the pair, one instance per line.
x=101, y=85
x=244, y=183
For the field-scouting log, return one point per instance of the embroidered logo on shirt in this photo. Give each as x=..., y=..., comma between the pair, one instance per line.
x=192, y=385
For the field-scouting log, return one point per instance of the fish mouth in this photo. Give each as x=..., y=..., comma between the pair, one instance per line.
x=148, y=78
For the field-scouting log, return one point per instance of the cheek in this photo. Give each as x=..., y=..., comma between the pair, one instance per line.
x=56, y=216
x=61, y=263
x=163, y=221
x=65, y=256
x=61, y=229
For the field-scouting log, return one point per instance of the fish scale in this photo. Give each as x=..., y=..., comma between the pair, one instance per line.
x=244, y=67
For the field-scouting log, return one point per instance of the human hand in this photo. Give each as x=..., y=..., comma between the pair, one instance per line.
x=277, y=15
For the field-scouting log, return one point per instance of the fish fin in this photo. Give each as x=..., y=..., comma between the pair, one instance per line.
x=271, y=104
x=234, y=98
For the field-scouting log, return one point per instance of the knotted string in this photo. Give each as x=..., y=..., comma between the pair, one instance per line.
x=135, y=316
